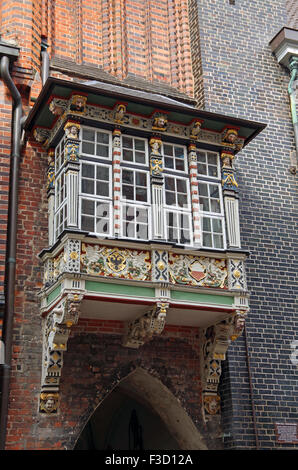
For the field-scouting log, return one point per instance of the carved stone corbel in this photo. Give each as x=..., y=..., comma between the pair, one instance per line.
x=56, y=333
x=142, y=330
x=217, y=339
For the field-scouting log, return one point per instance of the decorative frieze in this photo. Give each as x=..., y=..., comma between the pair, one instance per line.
x=115, y=262
x=160, y=271
x=197, y=271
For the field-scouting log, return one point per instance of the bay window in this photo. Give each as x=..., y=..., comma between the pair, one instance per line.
x=126, y=192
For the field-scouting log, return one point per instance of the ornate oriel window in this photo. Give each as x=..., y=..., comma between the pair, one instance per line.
x=97, y=187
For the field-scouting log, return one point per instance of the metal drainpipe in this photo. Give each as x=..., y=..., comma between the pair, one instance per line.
x=293, y=66
x=45, y=62
x=11, y=243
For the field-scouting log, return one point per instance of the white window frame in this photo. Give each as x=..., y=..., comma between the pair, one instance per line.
x=175, y=208
x=126, y=162
x=185, y=171
x=60, y=205
x=93, y=155
x=216, y=181
x=94, y=197
x=125, y=203
x=200, y=175
x=96, y=200
x=134, y=203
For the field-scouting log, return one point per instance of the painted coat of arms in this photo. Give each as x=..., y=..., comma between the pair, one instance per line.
x=197, y=271
x=116, y=262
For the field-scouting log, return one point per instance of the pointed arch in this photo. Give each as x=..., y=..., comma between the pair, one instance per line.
x=150, y=391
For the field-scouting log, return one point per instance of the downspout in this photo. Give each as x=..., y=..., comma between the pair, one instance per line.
x=45, y=61
x=293, y=66
x=10, y=269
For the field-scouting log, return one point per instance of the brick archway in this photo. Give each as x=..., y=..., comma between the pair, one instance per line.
x=149, y=390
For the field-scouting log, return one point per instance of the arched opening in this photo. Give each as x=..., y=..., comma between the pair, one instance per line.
x=140, y=414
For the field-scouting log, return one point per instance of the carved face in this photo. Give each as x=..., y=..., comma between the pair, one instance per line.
x=231, y=137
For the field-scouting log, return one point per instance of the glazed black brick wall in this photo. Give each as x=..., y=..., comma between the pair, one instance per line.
x=242, y=78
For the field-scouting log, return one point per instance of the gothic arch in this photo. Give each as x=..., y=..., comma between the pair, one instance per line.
x=142, y=386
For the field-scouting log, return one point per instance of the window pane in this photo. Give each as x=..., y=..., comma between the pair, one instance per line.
x=169, y=162
x=214, y=192
x=179, y=165
x=179, y=153
x=87, y=186
x=217, y=225
x=102, y=226
x=102, y=209
x=140, y=145
x=182, y=200
x=181, y=186
x=88, y=135
x=102, y=189
x=168, y=150
x=170, y=184
x=170, y=199
x=127, y=176
x=203, y=189
x=202, y=169
x=141, y=179
x=127, y=142
x=141, y=194
x=127, y=192
x=88, y=170
x=128, y=155
x=88, y=148
x=140, y=157
x=207, y=239
x=201, y=157
x=141, y=215
x=215, y=206
x=204, y=204
x=206, y=224
x=141, y=231
x=102, y=151
x=212, y=171
x=102, y=138
x=87, y=223
x=218, y=241
x=212, y=159
x=102, y=173
x=87, y=207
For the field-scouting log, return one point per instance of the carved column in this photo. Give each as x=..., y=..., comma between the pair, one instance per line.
x=230, y=187
x=116, y=176
x=71, y=155
x=156, y=174
x=194, y=189
x=56, y=331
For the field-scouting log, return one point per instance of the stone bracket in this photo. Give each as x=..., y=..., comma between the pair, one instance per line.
x=217, y=339
x=142, y=330
x=56, y=332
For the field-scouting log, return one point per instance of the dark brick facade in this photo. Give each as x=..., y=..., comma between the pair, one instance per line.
x=242, y=78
